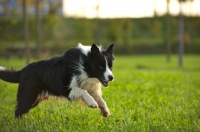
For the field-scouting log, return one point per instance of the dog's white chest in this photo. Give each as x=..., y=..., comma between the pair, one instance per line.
x=91, y=85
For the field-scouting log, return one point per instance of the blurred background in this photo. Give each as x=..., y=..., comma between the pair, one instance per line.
x=43, y=28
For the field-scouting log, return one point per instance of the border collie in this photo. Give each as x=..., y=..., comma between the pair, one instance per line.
x=78, y=73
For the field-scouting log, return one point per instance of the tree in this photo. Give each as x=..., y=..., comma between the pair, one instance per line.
x=38, y=25
x=97, y=32
x=26, y=32
x=5, y=2
x=180, y=34
x=168, y=32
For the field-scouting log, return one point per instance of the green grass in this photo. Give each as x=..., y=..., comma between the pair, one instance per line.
x=148, y=94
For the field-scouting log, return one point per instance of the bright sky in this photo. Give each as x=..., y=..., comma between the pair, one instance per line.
x=125, y=8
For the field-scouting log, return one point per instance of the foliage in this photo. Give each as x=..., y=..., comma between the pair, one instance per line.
x=148, y=94
x=128, y=34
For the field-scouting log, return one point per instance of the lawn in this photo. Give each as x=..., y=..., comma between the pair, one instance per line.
x=147, y=94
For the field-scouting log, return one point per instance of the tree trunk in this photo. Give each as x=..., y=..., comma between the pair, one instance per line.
x=168, y=32
x=97, y=32
x=180, y=36
x=5, y=2
x=27, y=47
x=38, y=25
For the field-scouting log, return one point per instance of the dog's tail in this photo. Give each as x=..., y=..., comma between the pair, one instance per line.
x=10, y=75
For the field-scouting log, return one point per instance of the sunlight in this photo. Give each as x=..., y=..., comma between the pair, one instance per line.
x=126, y=8
x=116, y=8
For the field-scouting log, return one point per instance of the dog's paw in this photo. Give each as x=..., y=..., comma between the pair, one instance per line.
x=105, y=113
x=93, y=104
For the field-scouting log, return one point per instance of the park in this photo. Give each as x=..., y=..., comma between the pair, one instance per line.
x=152, y=90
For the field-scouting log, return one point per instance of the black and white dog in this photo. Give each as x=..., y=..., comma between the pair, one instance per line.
x=78, y=73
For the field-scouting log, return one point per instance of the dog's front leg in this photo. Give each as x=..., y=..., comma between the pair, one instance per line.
x=77, y=93
x=102, y=105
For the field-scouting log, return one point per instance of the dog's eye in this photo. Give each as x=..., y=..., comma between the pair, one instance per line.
x=101, y=67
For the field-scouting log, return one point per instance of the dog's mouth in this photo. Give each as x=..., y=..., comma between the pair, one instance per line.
x=103, y=82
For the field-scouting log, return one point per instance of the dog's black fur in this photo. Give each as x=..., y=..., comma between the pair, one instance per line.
x=54, y=75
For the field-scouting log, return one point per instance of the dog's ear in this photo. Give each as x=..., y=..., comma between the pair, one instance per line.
x=110, y=49
x=94, y=49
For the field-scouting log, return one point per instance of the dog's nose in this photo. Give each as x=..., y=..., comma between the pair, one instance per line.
x=110, y=77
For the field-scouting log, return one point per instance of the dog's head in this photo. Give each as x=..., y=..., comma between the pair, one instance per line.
x=100, y=64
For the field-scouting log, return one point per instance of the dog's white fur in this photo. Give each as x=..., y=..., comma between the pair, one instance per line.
x=44, y=95
x=2, y=68
x=108, y=71
x=86, y=49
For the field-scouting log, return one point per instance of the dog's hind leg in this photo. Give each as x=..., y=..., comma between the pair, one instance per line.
x=42, y=96
x=27, y=98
